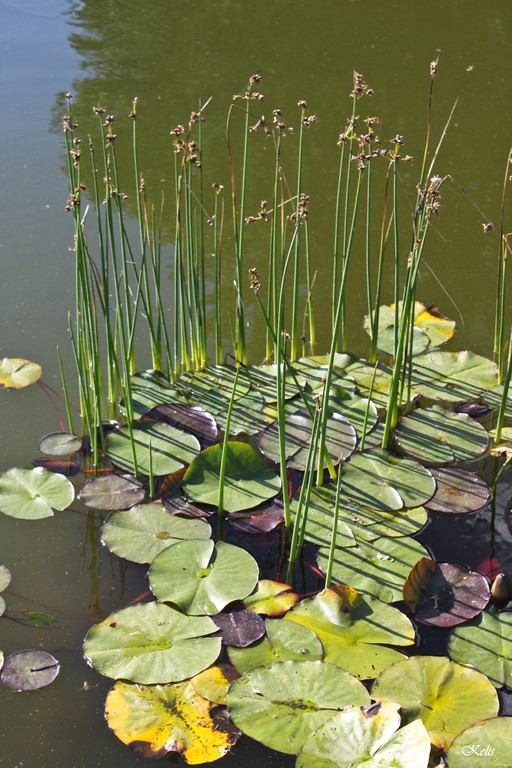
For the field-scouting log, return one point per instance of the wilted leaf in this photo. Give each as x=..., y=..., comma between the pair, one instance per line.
x=429, y=327
x=213, y=683
x=261, y=520
x=64, y=466
x=29, y=670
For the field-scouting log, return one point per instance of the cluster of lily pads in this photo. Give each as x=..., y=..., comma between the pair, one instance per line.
x=221, y=651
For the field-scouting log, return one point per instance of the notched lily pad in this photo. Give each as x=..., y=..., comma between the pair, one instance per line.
x=429, y=327
x=239, y=628
x=60, y=444
x=29, y=670
x=445, y=594
x=458, y=491
x=32, y=494
x=17, y=373
x=150, y=388
x=112, y=492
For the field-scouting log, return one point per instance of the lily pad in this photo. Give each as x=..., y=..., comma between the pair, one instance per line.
x=263, y=379
x=445, y=594
x=271, y=598
x=247, y=415
x=458, y=491
x=151, y=388
x=313, y=369
x=213, y=683
x=494, y=398
x=378, y=567
x=429, y=329
x=453, y=377
x=239, y=628
x=283, y=704
x=248, y=479
x=486, y=644
x=284, y=641
x=437, y=436
x=383, y=481
x=170, y=448
x=354, y=630
x=161, y=719
x=191, y=418
x=213, y=386
x=32, y=494
x=365, y=374
x=62, y=466
x=112, y=492
x=263, y=519
x=485, y=745
x=60, y=444
x=151, y=643
x=201, y=577
x=371, y=738
x=446, y=696
x=29, y=670
x=5, y=580
x=142, y=532
x=17, y=373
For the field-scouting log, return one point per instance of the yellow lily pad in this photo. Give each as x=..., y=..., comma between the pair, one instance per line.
x=17, y=373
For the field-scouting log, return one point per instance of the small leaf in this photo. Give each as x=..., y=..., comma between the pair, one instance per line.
x=60, y=444
x=239, y=628
x=112, y=492
x=32, y=493
x=5, y=577
x=29, y=670
x=16, y=373
x=39, y=619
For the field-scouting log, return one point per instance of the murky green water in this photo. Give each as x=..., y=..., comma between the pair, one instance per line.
x=173, y=56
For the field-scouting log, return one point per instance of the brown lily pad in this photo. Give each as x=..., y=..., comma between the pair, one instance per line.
x=458, y=491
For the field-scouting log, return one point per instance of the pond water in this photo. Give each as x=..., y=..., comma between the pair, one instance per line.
x=173, y=56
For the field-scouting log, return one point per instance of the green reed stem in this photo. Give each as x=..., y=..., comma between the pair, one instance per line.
x=66, y=393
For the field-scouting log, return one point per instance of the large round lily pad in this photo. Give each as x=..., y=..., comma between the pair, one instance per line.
x=29, y=670
x=283, y=704
x=458, y=491
x=437, y=436
x=112, y=492
x=371, y=738
x=142, y=532
x=484, y=745
x=31, y=494
x=446, y=696
x=160, y=719
x=445, y=594
x=249, y=480
x=17, y=373
x=486, y=644
x=170, y=448
x=453, y=377
x=354, y=629
x=201, y=577
x=151, y=643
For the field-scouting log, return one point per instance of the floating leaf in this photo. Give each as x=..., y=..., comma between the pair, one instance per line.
x=372, y=378
x=445, y=594
x=29, y=670
x=353, y=629
x=64, y=466
x=239, y=628
x=151, y=388
x=17, y=373
x=283, y=704
x=271, y=598
x=263, y=379
x=437, y=436
x=383, y=481
x=313, y=370
x=212, y=387
x=5, y=580
x=248, y=479
x=261, y=520
x=429, y=327
x=494, y=399
x=453, y=377
x=201, y=577
x=170, y=448
x=32, y=493
x=157, y=720
x=340, y=439
x=190, y=418
x=447, y=697
x=284, y=641
x=458, y=491
x=112, y=492
x=485, y=745
x=247, y=415
x=486, y=644
x=378, y=567
x=151, y=643
x=60, y=444
x=142, y=532
x=371, y=737
x=39, y=618
x=213, y=683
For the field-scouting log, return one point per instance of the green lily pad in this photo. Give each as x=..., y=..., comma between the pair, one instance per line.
x=151, y=388
x=60, y=444
x=5, y=580
x=430, y=328
x=494, y=397
x=29, y=670
x=17, y=373
x=437, y=436
x=364, y=374
x=171, y=448
x=446, y=696
x=445, y=594
x=458, y=491
x=248, y=479
x=378, y=567
x=383, y=481
x=191, y=418
x=247, y=415
x=284, y=641
x=263, y=379
x=212, y=387
x=313, y=369
x=486, y=644
x=201, y=577
x=354, y=630
x=453, y=377
x=151, y=643
x=142, y=532
x=112, y=492
x=371, y=738
x=32, y=494
x=271, y=598
x=485, y=745
x=340, y=439
x=161, y=719
x=283, y=704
